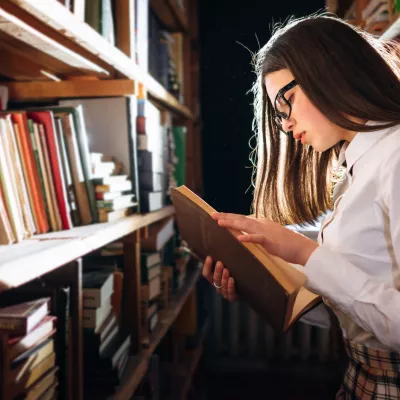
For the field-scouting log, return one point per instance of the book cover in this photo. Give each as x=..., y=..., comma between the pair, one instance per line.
x=273, y=287
x=46, y=118
x=20, y=319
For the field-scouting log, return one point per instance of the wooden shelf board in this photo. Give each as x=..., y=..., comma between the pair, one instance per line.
x=53, y=14
x=30, y=38
x=31, y=91
x=138, y=364
x=169, y=13
x=22, y=262
x=393, y=30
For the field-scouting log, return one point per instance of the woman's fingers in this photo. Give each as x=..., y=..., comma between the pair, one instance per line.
x=224, y=283
x=232, y=295
x=219, y=267
x=207, y=270
x=220, y=277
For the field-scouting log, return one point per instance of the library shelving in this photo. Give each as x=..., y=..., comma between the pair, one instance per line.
x=48, y=53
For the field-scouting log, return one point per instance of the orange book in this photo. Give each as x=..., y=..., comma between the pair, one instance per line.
x=32, y=178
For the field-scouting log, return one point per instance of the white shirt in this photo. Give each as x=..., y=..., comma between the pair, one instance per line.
x=356, y=268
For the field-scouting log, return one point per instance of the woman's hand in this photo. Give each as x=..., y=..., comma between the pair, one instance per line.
x=221, y=279
x=276, y=239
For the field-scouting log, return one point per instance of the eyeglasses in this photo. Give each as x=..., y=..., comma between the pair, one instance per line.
x=283, y=108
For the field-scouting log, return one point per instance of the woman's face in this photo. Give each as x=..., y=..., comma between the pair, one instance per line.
x=306, y=122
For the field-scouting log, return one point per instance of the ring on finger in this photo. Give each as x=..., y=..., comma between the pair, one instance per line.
x=218, y=287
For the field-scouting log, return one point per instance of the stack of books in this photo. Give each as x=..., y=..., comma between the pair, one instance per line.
x=151, y=280
x=114, y=196
x=28, y=361
x=106, y=348
x=45, y=182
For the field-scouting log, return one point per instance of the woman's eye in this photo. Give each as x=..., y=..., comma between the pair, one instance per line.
x=291, y=99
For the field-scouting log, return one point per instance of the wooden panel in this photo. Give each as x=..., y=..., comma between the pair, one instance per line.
x=27, y=53
x=131, y=305
x=125, y=17
x=14, y=66
x=16, y=28
x=30, y=91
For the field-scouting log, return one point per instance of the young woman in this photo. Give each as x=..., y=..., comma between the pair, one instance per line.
x=327, y=99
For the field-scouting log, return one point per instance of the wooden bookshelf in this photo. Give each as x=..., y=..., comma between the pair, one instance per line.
x=48, y=53
x=32, y=258
x=31, y=91
x=138, y=364
x=84, y=46
x=171, y=15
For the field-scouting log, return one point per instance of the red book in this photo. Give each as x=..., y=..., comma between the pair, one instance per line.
x=20, y=319
x=47, y=120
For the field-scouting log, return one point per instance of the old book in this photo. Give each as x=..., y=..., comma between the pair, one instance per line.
x=8, y=183
x=53, y=204
x=46, y=119
x=19, y=346
x=34, y=375
x=41, y=386
x=26, y=132
x=6, y=233
x=159, y=234
x=273, y=287
x=22, y=191
x=97, y=288
x=77, y=172
x=20, y=319
x=39, y=179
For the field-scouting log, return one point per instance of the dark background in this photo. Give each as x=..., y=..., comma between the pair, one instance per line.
x=226, y=78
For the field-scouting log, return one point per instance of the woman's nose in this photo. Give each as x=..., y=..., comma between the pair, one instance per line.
x=287, y=124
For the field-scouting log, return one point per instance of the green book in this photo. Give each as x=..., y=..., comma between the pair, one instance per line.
x=179, y=133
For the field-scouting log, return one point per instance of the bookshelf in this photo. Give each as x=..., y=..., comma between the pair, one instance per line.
x=371, y=15
x=52, y=54
x=138, y=364
x=87, y=52
x=44, y=253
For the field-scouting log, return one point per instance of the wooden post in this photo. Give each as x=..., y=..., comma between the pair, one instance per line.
x=125, y=15
x=71, y=275
x=131, y=303
x=5, y=367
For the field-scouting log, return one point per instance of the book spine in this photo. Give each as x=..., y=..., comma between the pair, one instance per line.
x=13, y=326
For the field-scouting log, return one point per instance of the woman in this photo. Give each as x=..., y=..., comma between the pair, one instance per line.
x=334, y=92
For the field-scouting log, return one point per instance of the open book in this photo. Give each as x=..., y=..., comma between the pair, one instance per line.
x=273, y=287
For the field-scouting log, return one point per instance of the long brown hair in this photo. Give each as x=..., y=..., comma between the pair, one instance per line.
x=344, y=72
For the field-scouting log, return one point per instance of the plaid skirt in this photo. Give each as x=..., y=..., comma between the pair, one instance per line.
x=371, y=374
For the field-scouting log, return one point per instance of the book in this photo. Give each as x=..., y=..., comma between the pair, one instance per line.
x=20, y=319
x=19, y=346
x=97, y=288
x=271, y=286
x=159, y=234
